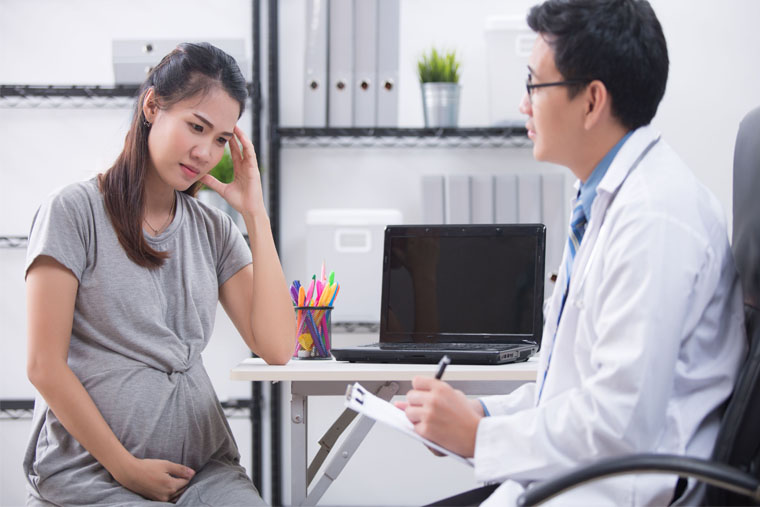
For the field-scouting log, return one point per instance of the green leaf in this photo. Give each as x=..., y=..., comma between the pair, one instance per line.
x=223, y=171
x=437, y=67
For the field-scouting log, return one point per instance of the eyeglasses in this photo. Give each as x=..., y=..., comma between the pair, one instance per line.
x=529, y=86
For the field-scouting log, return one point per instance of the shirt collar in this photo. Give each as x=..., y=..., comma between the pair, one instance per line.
x=587, y=191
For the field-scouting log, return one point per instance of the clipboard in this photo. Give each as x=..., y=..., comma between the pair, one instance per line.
x=367, y=404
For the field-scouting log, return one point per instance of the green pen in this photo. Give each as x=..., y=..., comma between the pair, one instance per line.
x=331, y=278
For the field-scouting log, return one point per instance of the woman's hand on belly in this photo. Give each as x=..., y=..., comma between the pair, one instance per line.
x=155, y=479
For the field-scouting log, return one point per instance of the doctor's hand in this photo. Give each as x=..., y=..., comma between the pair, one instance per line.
x=244, y=193
x=443, y=414
x=155, y=479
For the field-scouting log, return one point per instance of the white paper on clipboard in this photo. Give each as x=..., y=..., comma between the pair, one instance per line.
x=367, y=404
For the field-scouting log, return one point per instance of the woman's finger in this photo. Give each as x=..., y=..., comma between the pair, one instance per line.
x=235, y=153
x=213, y=183
x=247, y=145
x=173, y=498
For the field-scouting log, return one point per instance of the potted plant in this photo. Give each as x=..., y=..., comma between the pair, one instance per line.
x=439, y=77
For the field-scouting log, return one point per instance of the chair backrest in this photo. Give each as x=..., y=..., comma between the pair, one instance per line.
x=738, y=442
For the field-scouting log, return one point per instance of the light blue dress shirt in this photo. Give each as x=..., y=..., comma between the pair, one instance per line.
x=587, y=191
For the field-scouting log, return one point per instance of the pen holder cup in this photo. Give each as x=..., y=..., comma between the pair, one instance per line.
x=313, y=332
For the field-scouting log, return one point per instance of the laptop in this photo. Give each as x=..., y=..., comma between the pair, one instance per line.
x=472, y=292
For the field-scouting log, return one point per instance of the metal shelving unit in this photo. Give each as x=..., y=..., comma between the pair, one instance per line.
x=13, y=241
x=488, y=137
x=79, y=96
x=49, y=91
x=24, y=408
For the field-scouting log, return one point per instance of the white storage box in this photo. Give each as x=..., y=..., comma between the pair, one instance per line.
x=133, y=59
x=350, y=242
x=509, y=42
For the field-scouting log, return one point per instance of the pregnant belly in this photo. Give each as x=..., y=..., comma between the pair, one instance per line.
x=154, y=414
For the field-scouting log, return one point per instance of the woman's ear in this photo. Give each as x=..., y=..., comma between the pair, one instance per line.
x=597, y=100
x=149, y=106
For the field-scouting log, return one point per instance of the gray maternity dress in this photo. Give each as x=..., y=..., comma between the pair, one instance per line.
x=136, y=346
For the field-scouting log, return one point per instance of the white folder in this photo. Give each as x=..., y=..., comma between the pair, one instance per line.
x=387, y=62
x=529, y=198
x=315, y=75
x=505, y=199
x=553, y=208
x=341, y=64
x=433, y=208
x=365, y=63
x=482, y=204
x=458, y=199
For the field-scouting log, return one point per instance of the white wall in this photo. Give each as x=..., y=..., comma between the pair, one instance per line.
x=714, y=80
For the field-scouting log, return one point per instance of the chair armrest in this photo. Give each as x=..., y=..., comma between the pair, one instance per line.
x=716, y=474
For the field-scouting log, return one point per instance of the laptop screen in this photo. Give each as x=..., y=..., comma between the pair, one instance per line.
x=480, y=283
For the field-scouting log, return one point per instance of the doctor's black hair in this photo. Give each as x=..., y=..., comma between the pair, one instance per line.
x=619, y=42
x=190, y=70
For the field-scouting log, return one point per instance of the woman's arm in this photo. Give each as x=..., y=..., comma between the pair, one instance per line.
x=50, y=297
x=256, y=298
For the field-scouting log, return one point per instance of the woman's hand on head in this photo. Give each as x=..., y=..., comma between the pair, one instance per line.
x=244, y=193
x=156, y=479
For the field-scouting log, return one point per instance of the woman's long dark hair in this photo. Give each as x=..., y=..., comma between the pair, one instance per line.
x=189, y=70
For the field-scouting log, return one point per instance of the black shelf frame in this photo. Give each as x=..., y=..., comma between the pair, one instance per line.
x=14, y=408
x=23, y=91
x=72, y=91
x=398, y=132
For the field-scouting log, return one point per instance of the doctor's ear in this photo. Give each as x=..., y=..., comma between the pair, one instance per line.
x=597, y=99
x=150, y=105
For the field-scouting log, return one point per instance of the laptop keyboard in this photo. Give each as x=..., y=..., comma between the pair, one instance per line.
x=442, y=346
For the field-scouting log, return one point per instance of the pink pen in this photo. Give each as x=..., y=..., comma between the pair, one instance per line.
x=320, y=288
x=309, y=292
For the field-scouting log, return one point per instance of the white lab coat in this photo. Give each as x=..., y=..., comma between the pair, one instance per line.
x=648, y=346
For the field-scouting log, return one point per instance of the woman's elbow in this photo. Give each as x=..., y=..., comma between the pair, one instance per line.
x=279, y=358
x=39, y=373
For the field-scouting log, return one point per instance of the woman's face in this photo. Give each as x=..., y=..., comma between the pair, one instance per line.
x=187, y=139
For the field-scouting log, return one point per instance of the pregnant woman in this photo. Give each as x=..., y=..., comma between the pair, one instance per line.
x=123, y=274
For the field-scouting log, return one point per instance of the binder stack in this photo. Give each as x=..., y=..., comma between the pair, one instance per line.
x=351, y=63
x=511, y=198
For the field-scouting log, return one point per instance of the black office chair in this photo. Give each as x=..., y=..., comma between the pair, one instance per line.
x=732, y=475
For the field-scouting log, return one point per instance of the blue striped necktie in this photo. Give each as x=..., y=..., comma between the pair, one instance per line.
x=577, y=228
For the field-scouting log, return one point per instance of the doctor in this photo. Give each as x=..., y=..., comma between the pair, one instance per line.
x=644, y=329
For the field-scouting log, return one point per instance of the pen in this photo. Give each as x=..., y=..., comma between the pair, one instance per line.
x=442, y=364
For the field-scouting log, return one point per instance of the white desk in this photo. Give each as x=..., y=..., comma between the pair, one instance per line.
x=330, y=378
